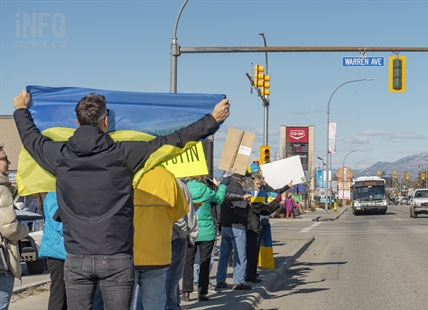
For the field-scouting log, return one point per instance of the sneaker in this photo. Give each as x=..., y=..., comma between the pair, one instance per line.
x=221, y=285
x=242, y=287
x=203, y=298
x=211, y=287
x=254, y=281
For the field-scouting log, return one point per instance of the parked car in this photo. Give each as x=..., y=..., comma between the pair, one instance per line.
x=405, y=200
x=419, y=202
x=30, y=245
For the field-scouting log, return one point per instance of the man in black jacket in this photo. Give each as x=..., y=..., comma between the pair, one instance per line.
x=233, y=220
x=95, y=195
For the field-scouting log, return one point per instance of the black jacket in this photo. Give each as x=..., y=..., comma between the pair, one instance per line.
x=94, y=180
x=260, y=208
x=234, y=213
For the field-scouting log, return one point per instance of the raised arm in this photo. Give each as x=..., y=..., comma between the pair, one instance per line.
x=41, y=148
x=180, y=140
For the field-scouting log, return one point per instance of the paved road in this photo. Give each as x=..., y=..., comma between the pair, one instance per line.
x=358, y=262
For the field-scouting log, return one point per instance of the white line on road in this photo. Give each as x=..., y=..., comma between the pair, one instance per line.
x=306, y=229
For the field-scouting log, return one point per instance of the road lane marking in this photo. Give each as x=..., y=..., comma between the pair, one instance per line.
x=306, y=229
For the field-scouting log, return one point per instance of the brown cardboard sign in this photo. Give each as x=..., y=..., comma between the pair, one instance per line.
x=237, y=150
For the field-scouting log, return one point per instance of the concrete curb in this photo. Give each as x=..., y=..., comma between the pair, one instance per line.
x=26, y=287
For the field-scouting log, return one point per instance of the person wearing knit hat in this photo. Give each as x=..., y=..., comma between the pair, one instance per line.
x=202, y=197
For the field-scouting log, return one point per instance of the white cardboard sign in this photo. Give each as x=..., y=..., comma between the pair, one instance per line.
x=281, y=172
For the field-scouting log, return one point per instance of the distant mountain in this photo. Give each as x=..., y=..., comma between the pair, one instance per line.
x=412, y=164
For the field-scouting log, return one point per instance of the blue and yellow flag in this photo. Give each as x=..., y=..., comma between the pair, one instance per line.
x=134, y=116
x=259, y=196
x=262, y=196
x=266, y=250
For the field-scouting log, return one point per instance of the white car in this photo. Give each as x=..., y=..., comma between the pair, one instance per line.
x=30, y=245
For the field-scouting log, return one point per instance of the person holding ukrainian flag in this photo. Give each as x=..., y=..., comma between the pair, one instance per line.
x=94, y=175
x=260, y=206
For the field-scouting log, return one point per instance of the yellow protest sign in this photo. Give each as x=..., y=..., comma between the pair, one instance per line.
x=188, y=164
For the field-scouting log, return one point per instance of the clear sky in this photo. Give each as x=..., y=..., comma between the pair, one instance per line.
x=125, y=45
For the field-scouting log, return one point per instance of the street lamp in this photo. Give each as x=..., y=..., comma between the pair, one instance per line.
x=175, y=52
x=357, y=165
x=328, y=124
x=266, y=106
x=343, y=177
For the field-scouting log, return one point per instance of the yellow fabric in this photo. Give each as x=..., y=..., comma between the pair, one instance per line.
x=266, y=258
x=32, y=179
x=255, y=199
x=158, y=202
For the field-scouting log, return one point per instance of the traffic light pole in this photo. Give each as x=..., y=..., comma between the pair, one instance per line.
x=266, y=106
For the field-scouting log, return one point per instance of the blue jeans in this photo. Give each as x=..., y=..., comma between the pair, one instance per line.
x=236, y=239
x=6, y=288
x=114, y=273
x=149, y=289
x=175, y=273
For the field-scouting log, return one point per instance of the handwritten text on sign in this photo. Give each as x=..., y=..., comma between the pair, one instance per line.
x=363, y=61
x=190, y=163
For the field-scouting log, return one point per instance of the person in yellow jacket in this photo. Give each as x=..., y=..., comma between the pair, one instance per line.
x=159, y=201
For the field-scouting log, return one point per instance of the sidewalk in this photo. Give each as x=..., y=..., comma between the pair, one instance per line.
x=286, y=251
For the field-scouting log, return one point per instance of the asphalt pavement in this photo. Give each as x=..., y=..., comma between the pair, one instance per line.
x=286, y=250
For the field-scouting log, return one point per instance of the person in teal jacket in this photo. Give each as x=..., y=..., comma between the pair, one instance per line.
x=202, y=197
x=52, y=248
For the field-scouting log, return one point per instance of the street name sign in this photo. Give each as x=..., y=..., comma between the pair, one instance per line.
x=363, y=61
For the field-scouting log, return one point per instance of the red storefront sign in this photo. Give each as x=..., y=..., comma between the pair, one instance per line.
x=297, y=134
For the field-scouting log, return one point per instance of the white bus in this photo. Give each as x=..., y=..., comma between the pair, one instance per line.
x=368, y=195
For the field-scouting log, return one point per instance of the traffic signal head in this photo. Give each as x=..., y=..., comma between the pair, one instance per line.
x=378, y=174
x=394, y=174
x=423, y=176
x=265, y=91
x=258, y=75
x=264, y=154
x=407, y=176
x=397, y=74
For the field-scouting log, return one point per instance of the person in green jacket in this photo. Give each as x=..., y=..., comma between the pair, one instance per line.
x=202, y=197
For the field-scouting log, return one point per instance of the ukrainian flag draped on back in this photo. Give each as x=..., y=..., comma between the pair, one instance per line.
x=133, y=116
x=266, y=250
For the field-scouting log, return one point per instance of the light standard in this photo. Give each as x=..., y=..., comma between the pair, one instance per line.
x=355, y=169
x=175, y=52
x=328, y=124
x=343, y=177
x=266, y=101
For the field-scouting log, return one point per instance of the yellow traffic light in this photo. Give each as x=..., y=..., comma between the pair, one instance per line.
x=423, y=176
x=258, y=75
x=397, y=74
x=394, y=174
x=407, y=176
x=265, y=91
x=378, y=173
x=264, y=154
